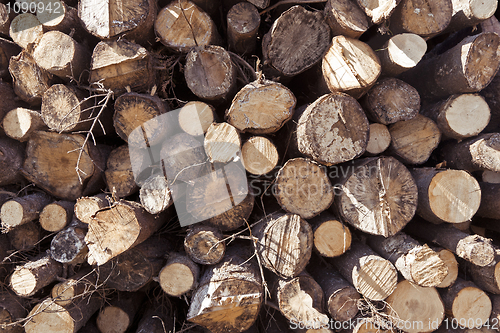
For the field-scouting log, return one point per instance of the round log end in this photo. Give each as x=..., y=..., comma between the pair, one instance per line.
x=451, y=263
x=374, y=277
x=332, y=238
x=471, y=304
x=259, y=155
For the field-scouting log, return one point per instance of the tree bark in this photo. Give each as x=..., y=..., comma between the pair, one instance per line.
x=21, y=210
x=8, y=49
x=12, y=155
x=298, y=29
x=418, y=263
x=11, y=309
x=473, y=248
x=490, y=202
x=378, y=140
x=467, y=13
x=460, y=116
x=373, y=276
x=73, y=289
x=345, y=18
x=391, y=100
x=401, y=52
x=350, y=66
x=285, y=243
x=156, y=319
x=487, y=277
x=5, y=19
x=179, y=275
x=331, y=130
x=204, y=244
x=20, y=123
x=222, y=143
x=25, y=237
x=210, y=73
x=119, y=315
x=261, y=107
x=243, y=21
x=331, y=237
x=377, y=195
x=414, y=140
x=34, y=275
x=446, y=195
x=302, y=187
x=118, y=228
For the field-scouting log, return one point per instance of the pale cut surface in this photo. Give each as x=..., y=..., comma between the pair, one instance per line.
x=259, y=155
x=53, y=17
x=195, y=118
x=454, y=196
x=346, y=18
x=468, y=114
x=222, y=143
x=25, y=29
x=482, y=9
x=378, y=10
x=23, y=281
x=45, y=321
x=451, y=263
x=61, y=109
x=332, y=238
x=261, y=107
x=11, y=213
x=420, y=306
x=376, y=278
x=55, y=52
x=119, y=324
x=19, y=123
x=406, y=49
x=53, y=217
x=176, y=279
x=491, y=177
x=350, y=65
x=379, y=139
x=471, y=303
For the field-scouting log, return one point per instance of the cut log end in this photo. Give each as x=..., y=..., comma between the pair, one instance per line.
x=204, y=245
x=376, y=278
x=471, y=304
x=259, y=155
x=179, y=276
x=332, y=238
x=222, y=143
x=195, y=118
x=402, y=52
x=120, y=323
x=451, y=263
x=379, y=139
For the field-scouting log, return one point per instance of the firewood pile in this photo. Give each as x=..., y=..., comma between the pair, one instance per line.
x=249, y=166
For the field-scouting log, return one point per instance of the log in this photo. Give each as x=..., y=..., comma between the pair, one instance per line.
x=284, y=243
x=52, y=160
x=204, y=244
x=467, y=13
x=48, y=316
x=59, y=16
x=495, y=312
x=67, y=109
x=379, y=139
x=229, y=295
x=302, y=187
x=259, y=155
x=155, y=195
x=464, y=301
x=118, y=228
x=354, y=74
x=331, y=130
x=415, y=308
x=400, y=53
x=110, y=19
x=414, y=140
x=118, y=174
x=243, y=21
x=34, y=275
x=56, y=215
x=210, y=73
x=379, y=11
x=473, y=248
x=74, y=288
x=491, y=177
x=25, y=237
x=420, y=17
x=119, y=315
x=8, y=49
x=299, y=299
x=260, y=3
x=156, y=319
x=135, y=118
x=298, y=29
x=86, y=207
x=179, y=275
x=136, y=267
x=487, y=277
x=261, y=107
x=5, y=19
x=61, y=55
x=391, y=100
x=178, y=33
x=451, y=263
x=235, y=217
x=20, y=123
x=418, y=264
x=12, y=309
x=373, y=276
x=459, y=116
x=345, y=18
x=341, y=298
x=117, y=64
x=446, y=195
x=195, y=117
x=11, y=160
x=68, y=246
x=478, y=153
x=331, y=237
x=29, y=80
x=222, y=143
x=25, y=30
x=489, y=200
x=21, y=210
x=448, y=74
x=377, y=195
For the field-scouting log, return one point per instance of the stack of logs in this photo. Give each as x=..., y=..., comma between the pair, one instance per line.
x=341, y=160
